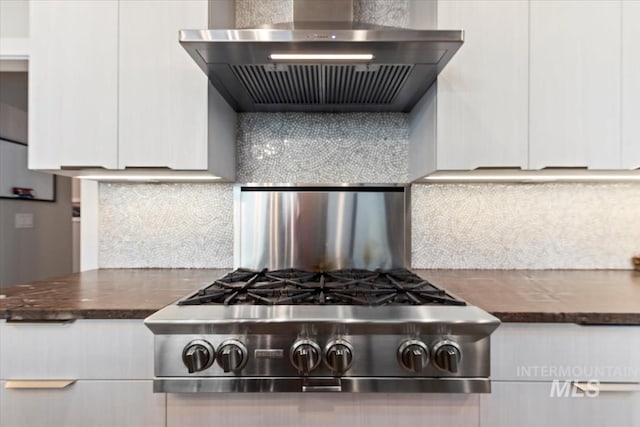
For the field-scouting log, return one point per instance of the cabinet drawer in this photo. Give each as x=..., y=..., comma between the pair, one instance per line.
x=85, y=403
x=527, y=352
x=322, y=409
x=84, y=349
x=538, y=404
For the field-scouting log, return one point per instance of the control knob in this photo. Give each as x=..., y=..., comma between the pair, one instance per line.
x=447, y=356
x=305, y=356
x=198, y=355
x=232, y=355
x=413, y=355
x=339, y=355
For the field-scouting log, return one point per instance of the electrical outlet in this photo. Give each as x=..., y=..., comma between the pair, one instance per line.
x=24, y=220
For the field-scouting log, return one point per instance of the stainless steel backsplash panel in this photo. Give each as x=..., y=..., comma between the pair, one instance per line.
x=322, y=228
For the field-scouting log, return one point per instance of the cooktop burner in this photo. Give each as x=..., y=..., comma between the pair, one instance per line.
x=341, y=287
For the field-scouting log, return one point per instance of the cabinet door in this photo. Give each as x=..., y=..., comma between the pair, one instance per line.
x=73, y=84
x=84, y=349
x=482, y=93
x=163, y=93
x=85, y=403
x=543, y=404
x=575, y=84
x=630, y=85
x=339, y=410
x=548, y=351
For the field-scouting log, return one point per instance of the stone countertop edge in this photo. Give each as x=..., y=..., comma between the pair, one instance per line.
x=584, y=297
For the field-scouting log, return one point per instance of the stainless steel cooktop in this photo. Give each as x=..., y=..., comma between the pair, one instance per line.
x=323, y=303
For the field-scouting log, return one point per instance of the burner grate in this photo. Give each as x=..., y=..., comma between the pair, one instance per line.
x=341, y=287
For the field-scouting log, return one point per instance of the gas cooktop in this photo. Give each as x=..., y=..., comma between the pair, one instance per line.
x=341, y=287
x=290, y=320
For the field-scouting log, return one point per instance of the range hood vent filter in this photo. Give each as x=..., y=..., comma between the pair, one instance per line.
x=326, y=60
x=302, y=84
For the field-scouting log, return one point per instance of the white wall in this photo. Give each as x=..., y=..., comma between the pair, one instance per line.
x=14, y=18
x=44, y=251
x=28, y=254
x=13, y=106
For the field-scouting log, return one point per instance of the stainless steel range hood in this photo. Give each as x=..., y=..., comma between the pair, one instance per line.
x=321, y=63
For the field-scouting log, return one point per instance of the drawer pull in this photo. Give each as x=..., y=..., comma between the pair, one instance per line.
x=39, y=384
x=146, y=168
x=318, y=385
x=604, y=387
x=80, y=167
x=55, y=322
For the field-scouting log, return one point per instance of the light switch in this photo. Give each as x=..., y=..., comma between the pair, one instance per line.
x=24, y=220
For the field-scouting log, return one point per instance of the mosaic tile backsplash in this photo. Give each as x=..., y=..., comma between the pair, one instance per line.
x=165, y=225
x=253, y=13
x=536, y=226
x=483, y=226
x=323, y=147
x=382, y=12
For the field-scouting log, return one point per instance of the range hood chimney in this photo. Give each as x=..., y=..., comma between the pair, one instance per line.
x=322, y=61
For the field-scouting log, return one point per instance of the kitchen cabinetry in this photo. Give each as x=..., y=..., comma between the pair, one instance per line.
x=322, y=409
x=534, y=366
x=108, y=363
x=160, y=86
x=85, y=403
x=73, y=84
x=482, y=93
x=535, y=86
x=530, y=404
x=631, y=85
x=112, y=88
x=515, y=347
x=575, y=84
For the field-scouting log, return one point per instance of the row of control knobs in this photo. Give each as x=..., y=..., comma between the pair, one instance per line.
x=198, y=355
x=306, y=355
x=413, y=355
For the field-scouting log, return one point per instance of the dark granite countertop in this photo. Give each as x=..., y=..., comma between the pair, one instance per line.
x=102, y=294
x=569, y=296
x=588, y=297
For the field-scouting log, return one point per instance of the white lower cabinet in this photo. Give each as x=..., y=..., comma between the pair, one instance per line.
x=535, y=367
x=545, y=404
x=84, y=349
x=85, y=373
x=83, y=404
x=565, y=351
x=309, y=410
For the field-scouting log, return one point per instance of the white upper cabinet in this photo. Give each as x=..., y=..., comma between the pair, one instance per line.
x=630, y=85
x=482, y=93
x=163, y=93
x=111, y=87
x=575, y=85
x=73, y=84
